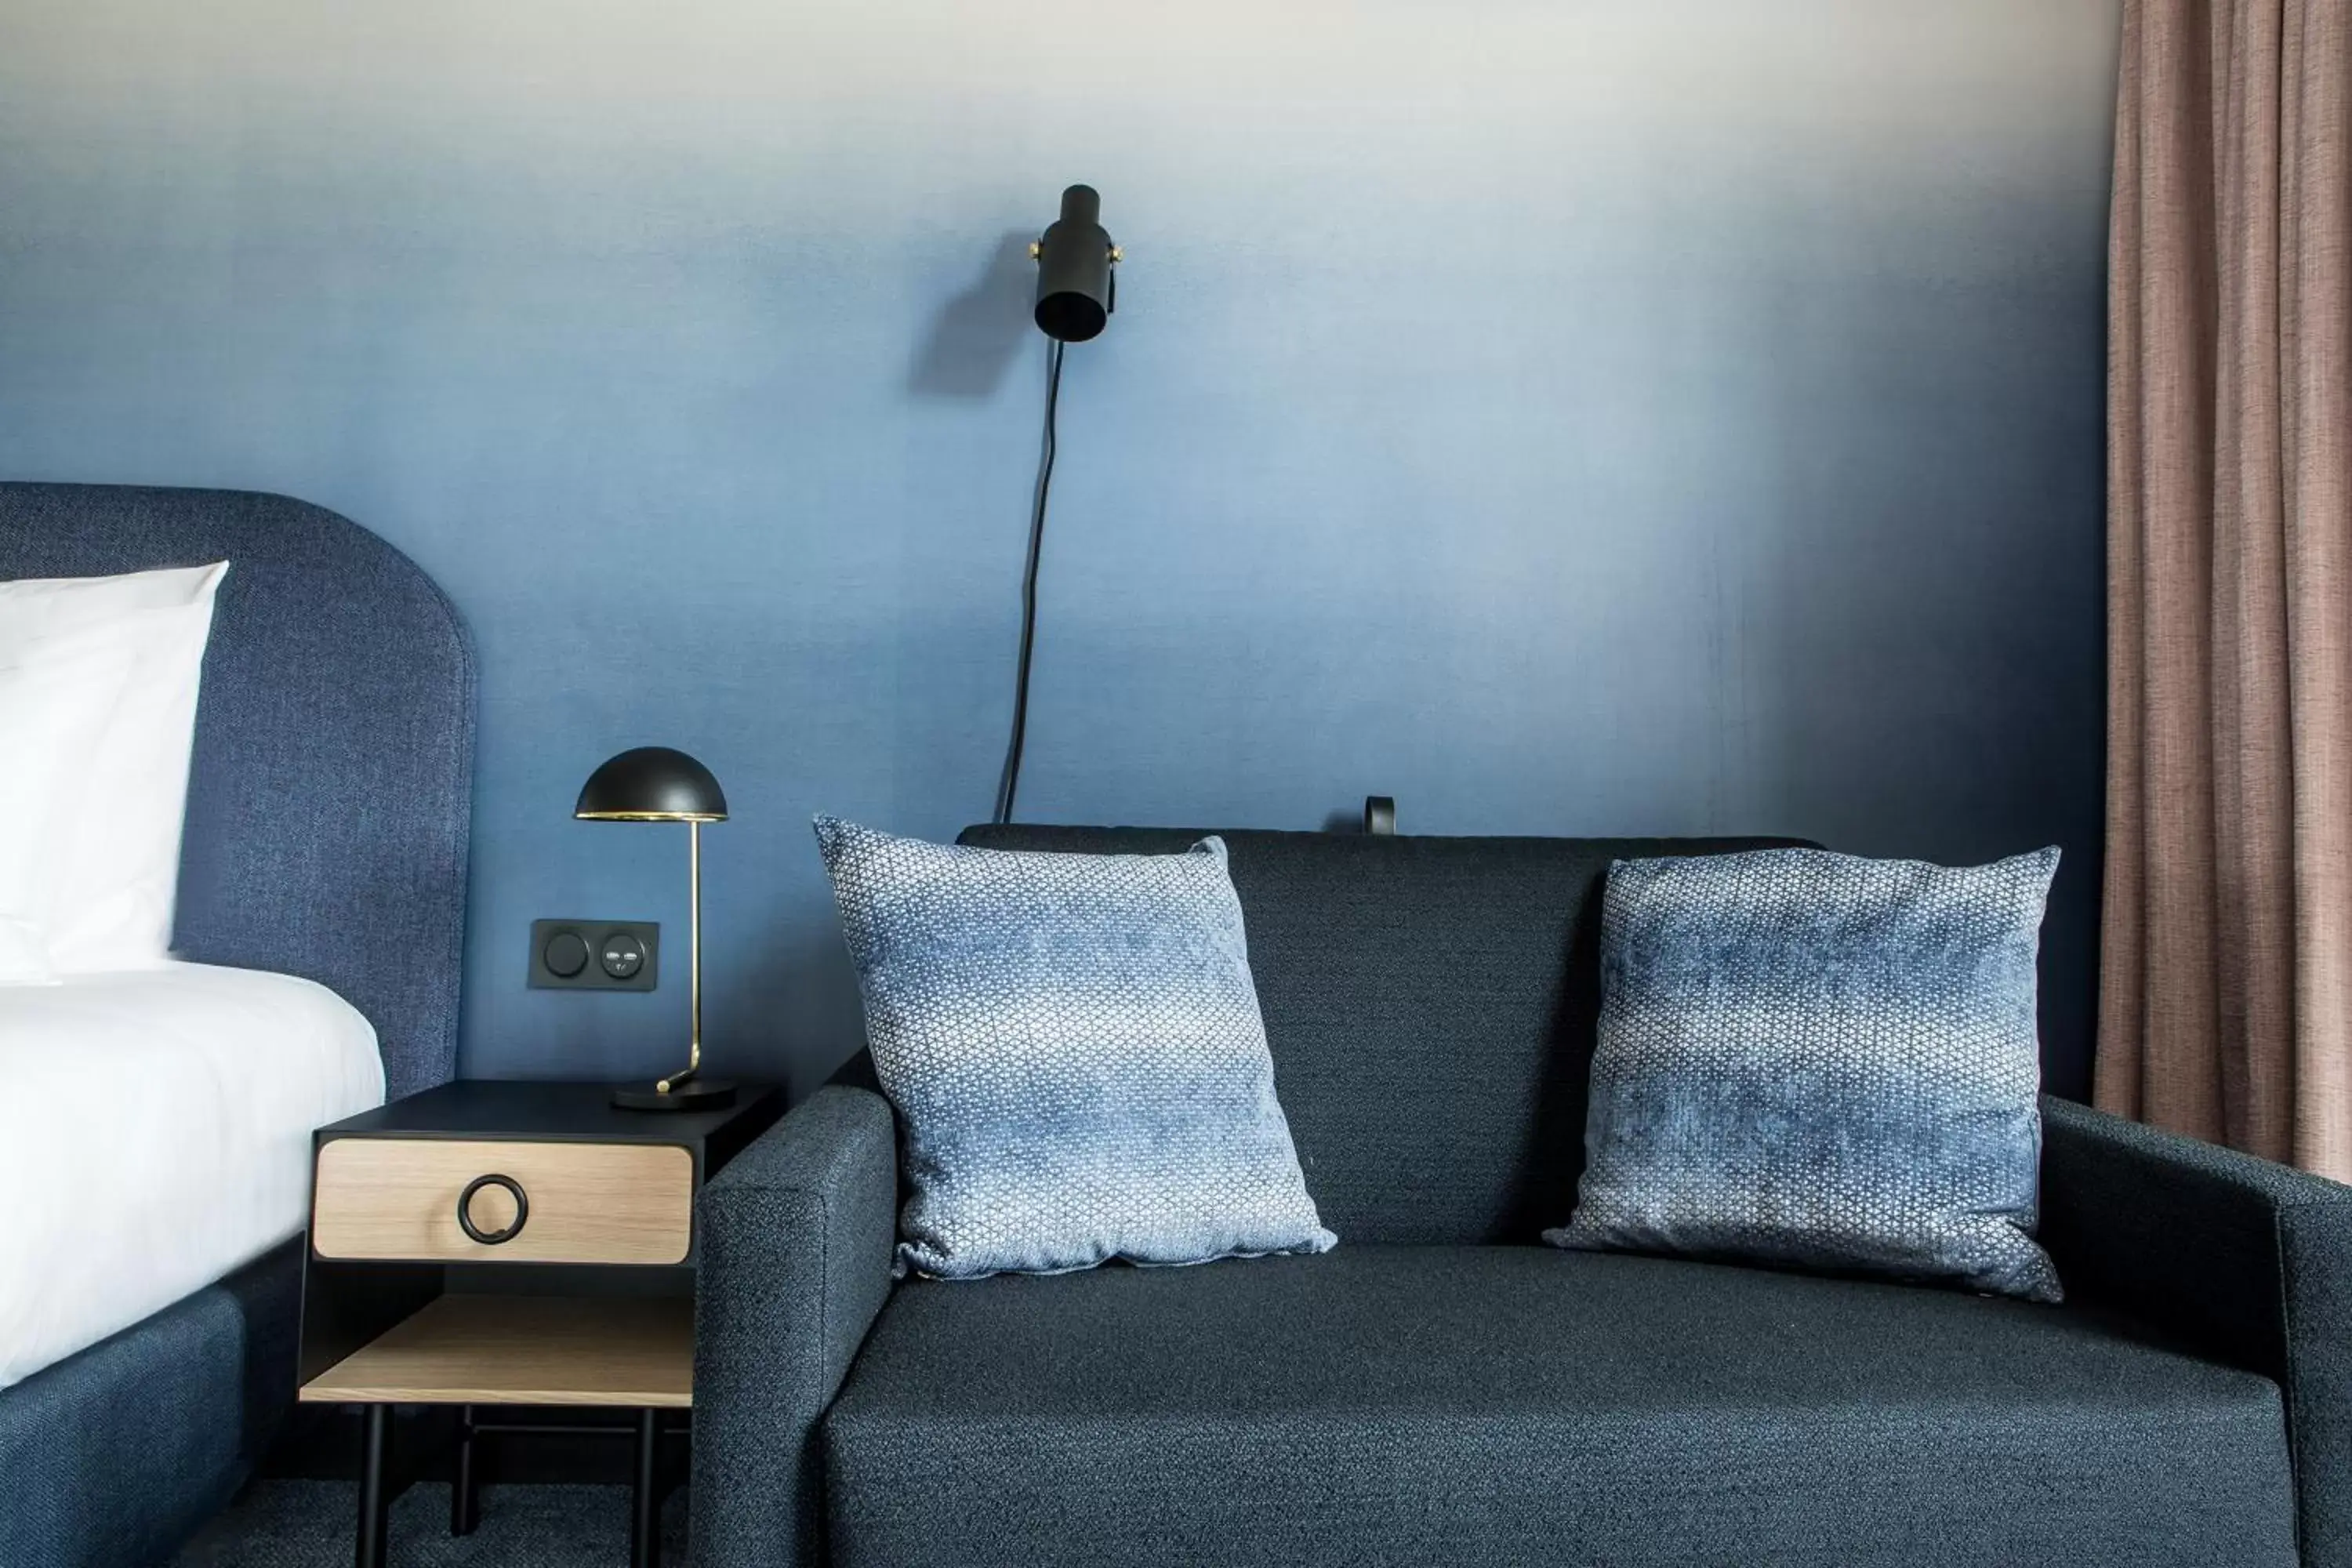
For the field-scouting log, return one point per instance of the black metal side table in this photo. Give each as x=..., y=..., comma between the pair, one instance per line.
x=491, y=1243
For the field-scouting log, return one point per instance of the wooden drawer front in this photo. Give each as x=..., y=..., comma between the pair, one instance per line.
x=588, y=1203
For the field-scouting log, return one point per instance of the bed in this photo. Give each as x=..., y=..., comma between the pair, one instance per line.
x=215, y=1079
x=320, y=914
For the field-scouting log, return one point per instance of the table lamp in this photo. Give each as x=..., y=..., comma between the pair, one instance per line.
x=655, y=783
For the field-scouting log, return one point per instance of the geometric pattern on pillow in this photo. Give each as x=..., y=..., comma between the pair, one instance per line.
x=1821, y=1061
x=1073, y=1045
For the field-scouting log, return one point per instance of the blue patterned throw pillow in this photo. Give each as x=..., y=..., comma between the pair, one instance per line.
x=1822, y=1061
x=1072, y=1045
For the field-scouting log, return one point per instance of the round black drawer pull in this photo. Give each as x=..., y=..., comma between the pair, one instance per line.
x=465, y=1206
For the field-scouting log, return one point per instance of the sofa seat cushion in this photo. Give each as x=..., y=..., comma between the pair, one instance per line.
x=1506, y=1405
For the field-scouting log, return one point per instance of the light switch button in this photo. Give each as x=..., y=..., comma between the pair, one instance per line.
x=566, y=953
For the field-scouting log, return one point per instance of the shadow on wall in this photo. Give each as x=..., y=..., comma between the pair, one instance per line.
x=980, y=331
x=1929, y=592
x=794, y=1014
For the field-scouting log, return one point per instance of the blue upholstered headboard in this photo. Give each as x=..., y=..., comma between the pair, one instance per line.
x=329, y=799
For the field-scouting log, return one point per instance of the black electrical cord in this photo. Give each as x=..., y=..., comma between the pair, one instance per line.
x=1009, y=784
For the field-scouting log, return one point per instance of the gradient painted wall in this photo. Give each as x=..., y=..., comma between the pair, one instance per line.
x=1565, y=416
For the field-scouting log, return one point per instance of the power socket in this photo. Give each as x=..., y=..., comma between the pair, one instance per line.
x=595, y=955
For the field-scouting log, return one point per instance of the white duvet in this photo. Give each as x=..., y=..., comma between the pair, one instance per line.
x=154, y=1134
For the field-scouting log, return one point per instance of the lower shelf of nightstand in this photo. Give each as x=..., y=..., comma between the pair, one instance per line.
x=523, y=1350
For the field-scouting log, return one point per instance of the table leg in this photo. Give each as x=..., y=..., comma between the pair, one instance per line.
x=368, y=1550
x=645, y=1494
x=464, y=1495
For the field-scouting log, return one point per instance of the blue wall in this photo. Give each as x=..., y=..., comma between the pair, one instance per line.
x=1566, y=417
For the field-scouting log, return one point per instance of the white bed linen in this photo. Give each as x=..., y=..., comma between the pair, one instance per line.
x=154, y=1134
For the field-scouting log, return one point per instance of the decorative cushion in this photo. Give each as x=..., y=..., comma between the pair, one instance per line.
x=1072, y=1045
x=1817, y=1060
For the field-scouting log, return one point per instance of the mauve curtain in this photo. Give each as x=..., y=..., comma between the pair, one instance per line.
x=2226, y=989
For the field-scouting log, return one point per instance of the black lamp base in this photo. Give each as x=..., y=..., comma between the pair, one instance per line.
x=694, y=1094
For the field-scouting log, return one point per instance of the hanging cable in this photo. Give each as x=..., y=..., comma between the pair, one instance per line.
x=1009, y=784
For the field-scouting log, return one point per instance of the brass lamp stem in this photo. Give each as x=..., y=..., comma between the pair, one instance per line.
x=694, y=959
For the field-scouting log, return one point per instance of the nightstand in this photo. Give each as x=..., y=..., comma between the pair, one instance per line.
x=493, y=1243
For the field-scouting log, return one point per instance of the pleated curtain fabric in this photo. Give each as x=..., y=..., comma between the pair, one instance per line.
x=2226, y=996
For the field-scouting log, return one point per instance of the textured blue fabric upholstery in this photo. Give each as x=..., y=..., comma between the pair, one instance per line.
x=111, y=1457
x=332, y=781
x=1430, y=1005
x=1515, y=1406
x=2247, y=1261
x=329, y=801
x=796, y=1235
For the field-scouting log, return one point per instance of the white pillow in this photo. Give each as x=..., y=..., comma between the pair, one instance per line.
x=54, y=701
x=111, y=860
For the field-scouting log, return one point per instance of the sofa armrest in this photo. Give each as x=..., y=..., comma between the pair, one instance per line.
x=2244, y=1260
x=797, y=1234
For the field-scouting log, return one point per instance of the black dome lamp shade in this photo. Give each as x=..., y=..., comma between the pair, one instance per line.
x=651, y=783
x=655, y=783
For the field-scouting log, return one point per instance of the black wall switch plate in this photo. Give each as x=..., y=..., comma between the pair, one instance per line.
x=595, y=955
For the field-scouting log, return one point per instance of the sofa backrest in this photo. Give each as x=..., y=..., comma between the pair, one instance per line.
x=1430, y=1004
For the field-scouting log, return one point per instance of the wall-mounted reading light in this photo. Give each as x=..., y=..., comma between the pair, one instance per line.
x=1077, y=288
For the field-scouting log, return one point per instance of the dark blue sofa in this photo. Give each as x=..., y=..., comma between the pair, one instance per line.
x=1440, y=1390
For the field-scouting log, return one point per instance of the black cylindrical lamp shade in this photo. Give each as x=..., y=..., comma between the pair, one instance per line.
x=652, y=784
x=1074, y=270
